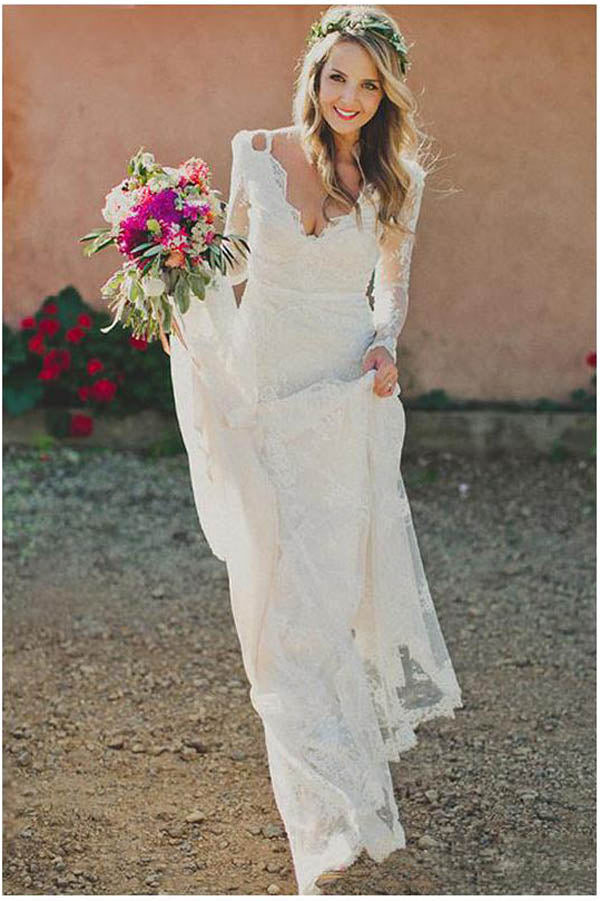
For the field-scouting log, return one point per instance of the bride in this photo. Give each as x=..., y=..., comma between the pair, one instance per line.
x=288, y=406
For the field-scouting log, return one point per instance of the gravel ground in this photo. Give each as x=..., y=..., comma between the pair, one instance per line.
x=135, y=764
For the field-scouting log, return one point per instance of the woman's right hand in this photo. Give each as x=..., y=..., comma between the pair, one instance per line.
x=386, y=375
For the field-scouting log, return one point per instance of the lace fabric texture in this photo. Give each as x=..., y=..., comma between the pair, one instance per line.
x=294, y=463
x=391, y=269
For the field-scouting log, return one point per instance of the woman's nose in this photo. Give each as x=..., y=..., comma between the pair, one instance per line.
x=348, y=96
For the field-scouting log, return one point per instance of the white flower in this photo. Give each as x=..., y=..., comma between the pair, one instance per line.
x=119, y=203
x=160, y=182
x=153, y=287
x=147, y=160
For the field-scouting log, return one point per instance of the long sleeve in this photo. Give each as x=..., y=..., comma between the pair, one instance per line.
x=238, y=207
x=392, y=272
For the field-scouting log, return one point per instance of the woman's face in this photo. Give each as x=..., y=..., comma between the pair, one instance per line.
x=350, y=90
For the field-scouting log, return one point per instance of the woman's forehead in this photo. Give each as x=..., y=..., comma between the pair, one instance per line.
x=352, y=59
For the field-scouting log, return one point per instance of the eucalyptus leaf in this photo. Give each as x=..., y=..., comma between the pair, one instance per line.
x=198, y=289
x=182, y=295
x=97, y=245
x=143, y=246
x=167, y=311
x=95, y=234
x=152, y=251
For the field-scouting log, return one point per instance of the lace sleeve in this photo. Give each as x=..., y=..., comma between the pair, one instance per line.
x=238, y=207
x=392, y=272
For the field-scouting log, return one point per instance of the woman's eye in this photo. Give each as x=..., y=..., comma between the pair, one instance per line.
x=370, y=85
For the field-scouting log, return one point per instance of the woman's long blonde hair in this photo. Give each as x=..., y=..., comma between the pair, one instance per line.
x=385, y=140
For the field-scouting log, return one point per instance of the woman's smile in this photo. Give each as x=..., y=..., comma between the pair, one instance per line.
x=345, y=114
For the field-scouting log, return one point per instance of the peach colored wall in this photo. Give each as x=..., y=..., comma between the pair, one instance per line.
x=503, y=281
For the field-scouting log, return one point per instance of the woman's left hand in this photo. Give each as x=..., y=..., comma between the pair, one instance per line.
x=386, y=376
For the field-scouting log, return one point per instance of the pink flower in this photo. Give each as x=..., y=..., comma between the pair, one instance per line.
x=28, y=323
x=50, y=308
x=591, y=359
x=138, y=343
x=83, y=392
x=84, y=320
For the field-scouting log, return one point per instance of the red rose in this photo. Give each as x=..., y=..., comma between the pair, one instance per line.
x=50, y=308
x=591, y=359
x=61, y=358
x=50, y=357
x=80, y=425
x=28, y=323
x=36, y=344
x=103, y=390
x=50, y=372
x=84, y=320
x=94, y=365
x=74, y=335
x=83, y=392
x=49, y=326
x=138, y=343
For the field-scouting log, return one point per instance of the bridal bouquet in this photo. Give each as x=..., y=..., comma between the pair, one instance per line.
x=165, y=221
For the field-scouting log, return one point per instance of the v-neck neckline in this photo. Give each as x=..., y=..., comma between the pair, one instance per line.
x=277, y=166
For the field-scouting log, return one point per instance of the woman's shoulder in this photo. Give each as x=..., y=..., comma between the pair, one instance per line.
x=261, y=138
x=414, y=167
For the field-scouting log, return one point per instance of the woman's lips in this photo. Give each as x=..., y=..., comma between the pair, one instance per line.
x=345, y=115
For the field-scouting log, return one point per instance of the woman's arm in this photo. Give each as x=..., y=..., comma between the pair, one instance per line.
x=238, y=207
x=392, y=272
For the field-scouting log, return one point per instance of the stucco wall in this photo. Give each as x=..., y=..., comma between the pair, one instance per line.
x=503, y=279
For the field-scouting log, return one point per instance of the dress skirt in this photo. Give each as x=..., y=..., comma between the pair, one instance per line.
x=294, y=464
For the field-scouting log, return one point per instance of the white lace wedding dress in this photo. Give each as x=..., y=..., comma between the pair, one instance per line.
x=294, y=463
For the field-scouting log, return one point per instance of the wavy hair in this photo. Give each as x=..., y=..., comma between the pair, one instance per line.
x=385, y=141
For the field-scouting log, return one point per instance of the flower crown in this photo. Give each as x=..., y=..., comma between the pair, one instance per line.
x=349, y=22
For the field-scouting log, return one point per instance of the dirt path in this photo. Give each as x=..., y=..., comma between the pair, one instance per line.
x=135, y=764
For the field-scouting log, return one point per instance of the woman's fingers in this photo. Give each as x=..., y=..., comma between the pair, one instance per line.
x=385, y=380
x=386, y=374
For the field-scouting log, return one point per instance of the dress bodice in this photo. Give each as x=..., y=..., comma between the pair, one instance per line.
x=340, y=259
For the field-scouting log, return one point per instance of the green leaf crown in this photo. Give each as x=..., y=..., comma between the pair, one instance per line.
x=349, y=23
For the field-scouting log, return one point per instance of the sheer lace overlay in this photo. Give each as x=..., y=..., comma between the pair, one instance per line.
x=294, y=463
x=392, y=270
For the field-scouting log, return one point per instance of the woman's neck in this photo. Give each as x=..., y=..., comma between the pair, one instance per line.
x=345, y=146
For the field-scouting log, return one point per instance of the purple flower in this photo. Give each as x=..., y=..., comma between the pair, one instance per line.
x=133, y=229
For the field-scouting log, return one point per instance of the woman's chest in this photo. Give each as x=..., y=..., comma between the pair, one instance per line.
x=279, y=227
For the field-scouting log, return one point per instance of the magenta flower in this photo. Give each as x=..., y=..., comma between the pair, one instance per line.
x=133, y=230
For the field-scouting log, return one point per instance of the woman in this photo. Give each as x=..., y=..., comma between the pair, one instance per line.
x=289, y=411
